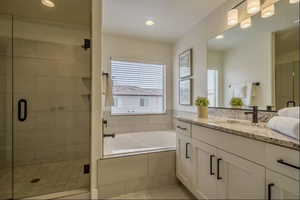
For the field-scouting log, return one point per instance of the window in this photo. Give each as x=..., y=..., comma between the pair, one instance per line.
x=213, y=89
x=139, y=88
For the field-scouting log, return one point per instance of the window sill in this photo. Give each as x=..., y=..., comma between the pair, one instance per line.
x=139, y=114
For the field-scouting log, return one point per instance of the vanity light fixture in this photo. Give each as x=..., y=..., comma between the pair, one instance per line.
x=232, y=17
x=246, y=23
x=48, y=3
x=253, y=6
x=294, y=1
x=268, y=11
x=219, y=37
x=149, y=23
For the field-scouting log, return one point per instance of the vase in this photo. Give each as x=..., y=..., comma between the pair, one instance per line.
x=203, y=112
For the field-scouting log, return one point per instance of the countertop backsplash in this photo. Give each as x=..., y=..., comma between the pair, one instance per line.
x=231, y=113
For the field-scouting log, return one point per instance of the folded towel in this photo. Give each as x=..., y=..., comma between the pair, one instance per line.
x=285, y=125
x=239, y=91
x=293, y=112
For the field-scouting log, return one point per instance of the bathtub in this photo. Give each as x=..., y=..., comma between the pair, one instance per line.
x=139, y=143
x=135, y=161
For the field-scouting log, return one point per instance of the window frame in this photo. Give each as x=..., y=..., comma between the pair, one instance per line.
x=164, y=111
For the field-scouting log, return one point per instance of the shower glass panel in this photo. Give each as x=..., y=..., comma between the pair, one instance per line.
x=52, y=108
x=5, y=107
x=45, y=83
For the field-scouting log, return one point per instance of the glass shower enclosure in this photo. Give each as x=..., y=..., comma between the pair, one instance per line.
x=44, y=97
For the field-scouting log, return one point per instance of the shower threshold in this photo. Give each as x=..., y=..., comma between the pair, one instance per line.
x=61, y=195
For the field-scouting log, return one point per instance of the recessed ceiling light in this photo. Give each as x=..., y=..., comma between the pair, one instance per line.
x=48, y=3
x=220, y=37
x=149, y=23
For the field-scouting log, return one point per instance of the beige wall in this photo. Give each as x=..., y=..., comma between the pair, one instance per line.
x=214, y=24
x=131, y=49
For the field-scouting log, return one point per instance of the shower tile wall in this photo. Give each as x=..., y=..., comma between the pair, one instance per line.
x=138, y=123
x=53, y=77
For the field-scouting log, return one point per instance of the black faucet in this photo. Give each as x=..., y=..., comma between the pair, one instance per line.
x=254, y=114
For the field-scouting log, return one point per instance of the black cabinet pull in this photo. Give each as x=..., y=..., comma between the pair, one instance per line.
x=179, y=127
x=211, y=162
x=186, y=151
x=22, y=116
x=270, y=190
x=218, y=169
x=281, y=161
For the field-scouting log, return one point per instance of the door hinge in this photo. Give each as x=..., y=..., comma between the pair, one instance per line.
x=86, y=169
x=87, y=44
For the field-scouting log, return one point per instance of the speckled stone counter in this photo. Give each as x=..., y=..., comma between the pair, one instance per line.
x=245, y=129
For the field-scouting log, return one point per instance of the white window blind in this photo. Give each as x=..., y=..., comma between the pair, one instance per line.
x=135, y=82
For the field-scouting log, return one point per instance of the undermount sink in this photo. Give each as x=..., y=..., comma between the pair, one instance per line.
x=237, y=122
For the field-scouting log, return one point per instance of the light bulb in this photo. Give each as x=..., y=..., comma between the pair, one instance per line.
x=253, y=6
x=268, y=11
x=232, y=17
x=246, y=23
x=220, y=37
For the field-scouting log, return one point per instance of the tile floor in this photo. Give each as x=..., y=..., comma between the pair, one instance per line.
x=54, y=177
x=176, y=192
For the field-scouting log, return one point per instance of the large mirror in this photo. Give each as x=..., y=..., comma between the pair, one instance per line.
x=258, y=65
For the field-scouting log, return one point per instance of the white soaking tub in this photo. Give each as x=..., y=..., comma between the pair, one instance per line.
x=126, y=144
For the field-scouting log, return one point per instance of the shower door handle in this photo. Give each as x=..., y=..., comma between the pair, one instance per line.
x=22, y=110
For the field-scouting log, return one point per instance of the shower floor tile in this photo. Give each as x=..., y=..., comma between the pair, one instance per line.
x=40, y=179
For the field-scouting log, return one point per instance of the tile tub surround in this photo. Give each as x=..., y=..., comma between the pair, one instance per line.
x=117, y=176
x=244, y=129
x=139, y=142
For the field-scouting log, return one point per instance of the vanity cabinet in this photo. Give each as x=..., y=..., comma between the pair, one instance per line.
x=221, y=175
x=216, y=165
x=184, y=159
x=281, y=187
x=205, y=181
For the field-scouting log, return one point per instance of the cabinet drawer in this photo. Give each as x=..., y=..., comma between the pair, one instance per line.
x=283, y=160
x=183, y=128
x=247, y=148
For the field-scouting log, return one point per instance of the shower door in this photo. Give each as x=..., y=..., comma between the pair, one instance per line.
x=51, y=100
x=44, y=98
x=6, y=176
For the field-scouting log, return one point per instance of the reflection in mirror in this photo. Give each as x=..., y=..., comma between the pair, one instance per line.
x=258, y=65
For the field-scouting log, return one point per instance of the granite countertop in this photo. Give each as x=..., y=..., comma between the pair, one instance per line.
x=244, y=128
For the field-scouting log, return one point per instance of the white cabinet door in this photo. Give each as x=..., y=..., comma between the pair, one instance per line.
x=239, y=178
x=204, y=162
x=184, y=160
x=281, y=187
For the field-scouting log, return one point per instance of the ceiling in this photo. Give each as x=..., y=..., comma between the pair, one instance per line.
x=75, y=12
x=172, y=18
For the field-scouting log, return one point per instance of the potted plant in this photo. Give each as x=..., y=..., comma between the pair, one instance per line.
x=236, y=102
x=202, y=105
